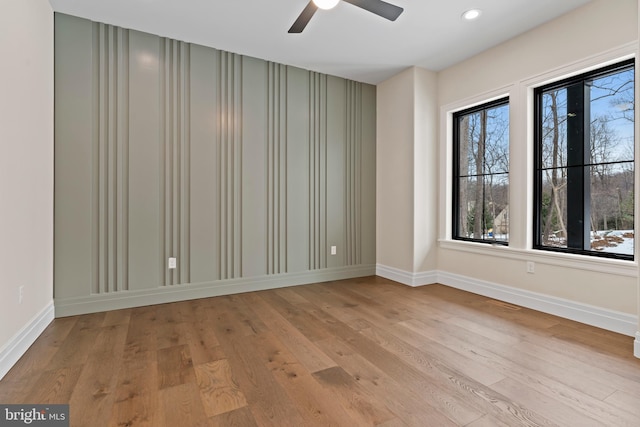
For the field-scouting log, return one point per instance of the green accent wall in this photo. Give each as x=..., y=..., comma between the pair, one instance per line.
x=246, y=171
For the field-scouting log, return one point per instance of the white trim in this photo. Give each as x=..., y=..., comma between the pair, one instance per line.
x=166, y=294
x=579, y=262
x=584, y=65
x=611, y=320
x=20, y=343
x=636, y=345
x=406, y=278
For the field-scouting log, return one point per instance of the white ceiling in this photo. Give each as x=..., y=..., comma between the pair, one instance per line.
x=345, y=41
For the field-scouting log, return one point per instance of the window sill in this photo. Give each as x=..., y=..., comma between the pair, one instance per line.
x=578, y=262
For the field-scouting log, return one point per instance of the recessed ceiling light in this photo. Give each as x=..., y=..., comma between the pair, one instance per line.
x=326, y=4
x=471, y=14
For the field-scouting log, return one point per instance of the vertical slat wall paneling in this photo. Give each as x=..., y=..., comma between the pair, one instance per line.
x=73, y=216
x=185, y=166
x=367, y=217
x=298, y=170
x=110, y=159
x=317, y=171
x=175, y=100
x=336, y=177
x=353, y=173
x=276, y=182
x=146, y=151
x=229, y=143
x=204, y=222
x=122, y=248
x=255, y=105
x=243, y=170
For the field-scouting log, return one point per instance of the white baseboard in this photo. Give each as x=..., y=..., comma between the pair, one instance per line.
x=166, y=294
x=20, y=343
x=610, y=320
x=406, y=278
x=636, y=346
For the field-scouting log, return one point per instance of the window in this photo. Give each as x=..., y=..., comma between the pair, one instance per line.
x=584, y=164
x=481, y=173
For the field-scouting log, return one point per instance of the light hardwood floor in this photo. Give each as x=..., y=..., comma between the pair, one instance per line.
x=348, y=353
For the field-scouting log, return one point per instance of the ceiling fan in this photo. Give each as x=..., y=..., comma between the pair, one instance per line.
x=379, y=7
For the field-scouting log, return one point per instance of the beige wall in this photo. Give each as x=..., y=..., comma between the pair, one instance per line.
x=394, y=169
x=425, y=176
x=26, y=163
x=406, y=180
x=599, y=32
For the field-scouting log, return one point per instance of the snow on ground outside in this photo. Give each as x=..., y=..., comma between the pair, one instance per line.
x=623, y=247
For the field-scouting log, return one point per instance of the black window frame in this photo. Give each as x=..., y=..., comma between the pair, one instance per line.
x=455, y=231
x=538, y=166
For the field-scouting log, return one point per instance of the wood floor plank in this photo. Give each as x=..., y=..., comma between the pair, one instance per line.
x=625, y=402
x=270, y=404
x=461, y=398
x=290, y=306
x=434, y=350
x=136, y=394
x=218, y=389
x=395, y=422
x=563, y=414
x=55, y=386
x=181, y=406
x=94, y=392
x=357, y=352
x=315, y=403
x=360, y=403
x=400, y=399
x=142, y=336
x=175, y=366
x=117, y=317
x=302, y=348
x=239, y=418
x=76, y=348
x=529, y=355
x=508, y=364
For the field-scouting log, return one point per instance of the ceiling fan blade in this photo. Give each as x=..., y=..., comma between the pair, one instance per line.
x=304, y=18
x=379, y=7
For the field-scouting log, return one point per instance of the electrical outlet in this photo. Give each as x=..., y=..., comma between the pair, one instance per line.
x=173, y=263
x=531, y=267
x=20, y=294
x=333, y=250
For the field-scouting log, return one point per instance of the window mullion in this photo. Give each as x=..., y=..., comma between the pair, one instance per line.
x=578, y=178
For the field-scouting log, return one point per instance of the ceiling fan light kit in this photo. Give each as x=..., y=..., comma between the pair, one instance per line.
x=377, y=7
x=326, y=4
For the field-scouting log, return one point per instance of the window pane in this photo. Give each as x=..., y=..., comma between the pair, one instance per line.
x=468, y=145
x=496, y=202
x=466, y=201
x=553, y=212
x=482, y=150
x=585, y=175
x=612, y=115
x=496, y=158
x=554, y=128
x=612, y=216
x=484, y=207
